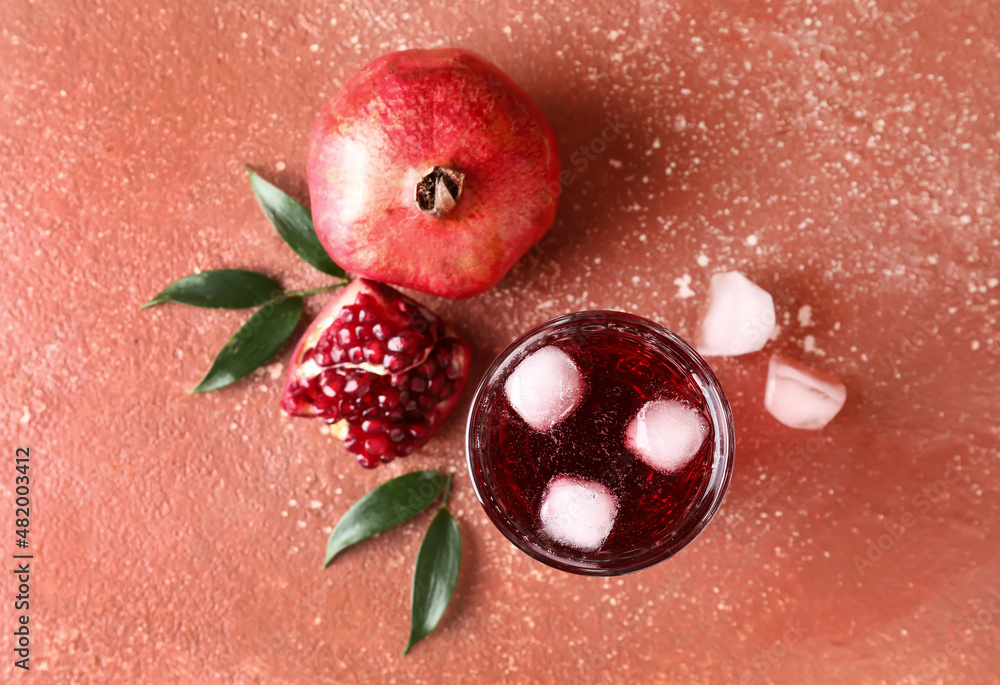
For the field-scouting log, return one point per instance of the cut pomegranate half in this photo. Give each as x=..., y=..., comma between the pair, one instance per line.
x=380, y=368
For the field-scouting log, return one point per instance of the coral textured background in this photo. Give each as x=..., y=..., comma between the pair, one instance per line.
x=844, y=155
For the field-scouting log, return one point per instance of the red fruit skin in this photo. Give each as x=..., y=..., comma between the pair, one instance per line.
x=392, y=122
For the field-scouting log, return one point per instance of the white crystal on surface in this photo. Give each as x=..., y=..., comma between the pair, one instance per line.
x=800, y=396
x=740, y=316
x=545, y=388
x=578, y=513
x=666, y=434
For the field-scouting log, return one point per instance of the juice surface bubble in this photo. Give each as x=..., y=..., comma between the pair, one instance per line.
x=578, y=513
x=545, y=388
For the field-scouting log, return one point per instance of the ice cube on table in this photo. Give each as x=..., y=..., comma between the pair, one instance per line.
x=666, y=434
x=740, y=316
x=578, y=513
x=800, y=396
x=545, y=388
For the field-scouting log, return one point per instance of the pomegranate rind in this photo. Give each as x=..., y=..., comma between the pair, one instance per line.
x=399, y=117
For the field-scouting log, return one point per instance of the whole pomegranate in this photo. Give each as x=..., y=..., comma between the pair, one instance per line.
x=432, y=170
x=380, y=368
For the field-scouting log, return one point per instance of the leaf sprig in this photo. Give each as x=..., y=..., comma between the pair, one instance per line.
x=272, y=325
x=436, y=571
x=265, y=332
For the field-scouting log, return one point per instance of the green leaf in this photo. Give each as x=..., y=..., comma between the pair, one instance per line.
x=435, y=575
x=220, y=289
x=255, y=343
x=388, y=505
x=294, y=224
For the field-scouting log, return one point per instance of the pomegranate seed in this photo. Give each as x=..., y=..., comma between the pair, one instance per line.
x=394, y=363
x=382, y=331
x=418, y=384
x=426, y=402
x=347, y=315
x=396, y=434
x=387, y=457
x=357, y=385
x=338, y=355
x=373, y=426
x=363, y=333
x=353, y=440
x=417, y=432
x=322, y=353
x=305, y=391
x=405, y=343
x=426, y=369
x=442, y=355
x=398, y=380
x=367, y=461
x=437, y=384
x=348, y=409
x=326, y=407
x=367, y=315
x=388, y=398
x=374, y=352
x=355, y=355
x=395, y=415
x=405, y=449
x=377, y=446
x=345, y=336
x=331, y=381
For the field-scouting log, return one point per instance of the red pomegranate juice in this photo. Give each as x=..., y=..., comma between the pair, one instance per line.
x=625, y=363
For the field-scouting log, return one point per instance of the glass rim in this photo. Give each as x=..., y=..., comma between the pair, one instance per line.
x=720, y=473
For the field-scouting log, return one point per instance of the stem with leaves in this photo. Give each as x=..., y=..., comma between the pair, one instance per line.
x=400, y=499
x=435, y=574
x=272, y=325
x=436, y=571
